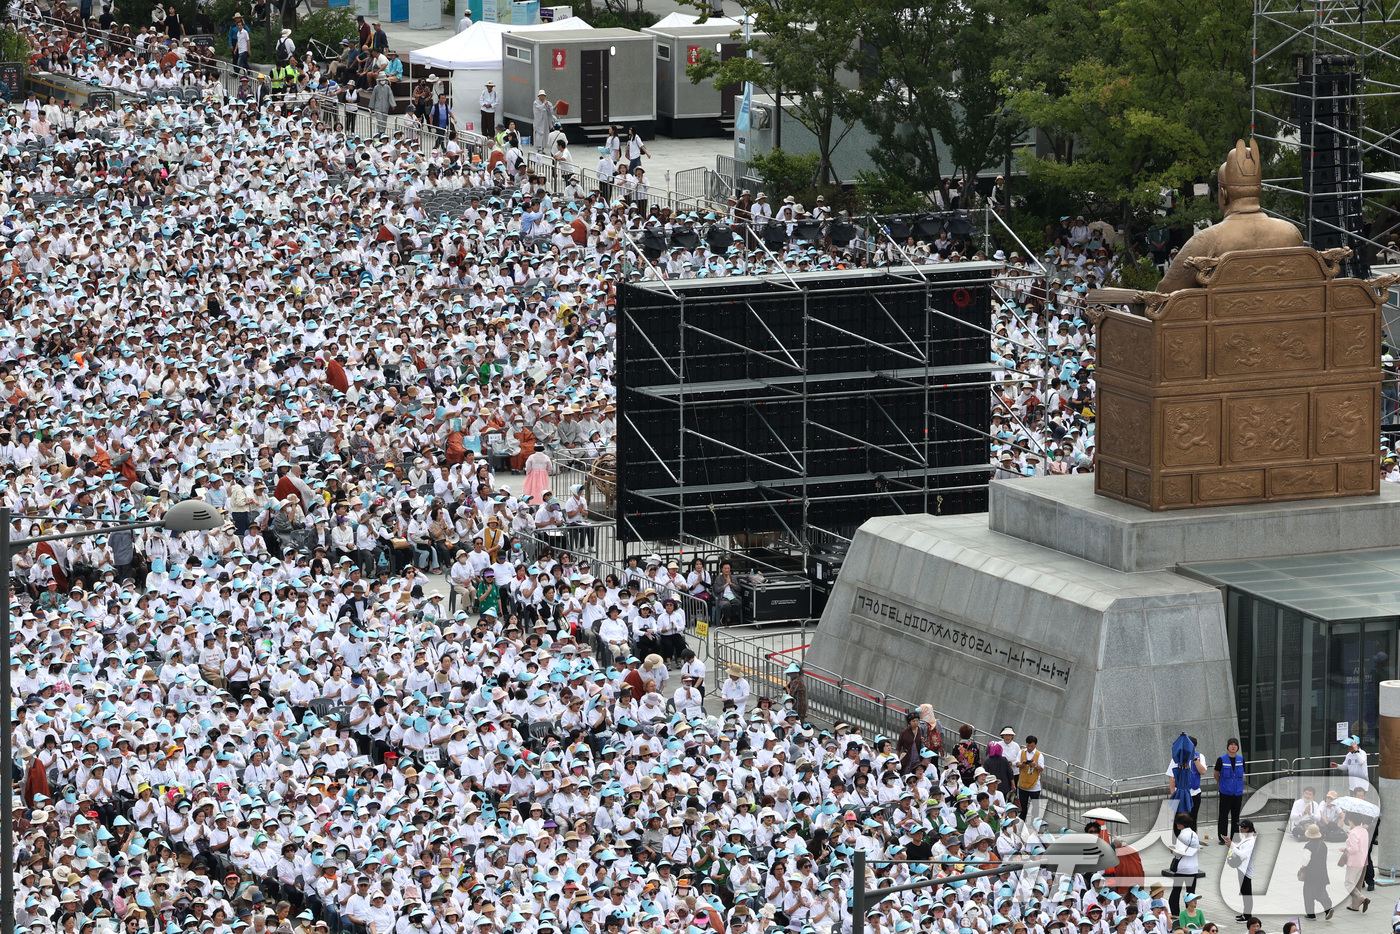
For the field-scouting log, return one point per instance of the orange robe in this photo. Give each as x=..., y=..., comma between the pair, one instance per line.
x=527, y=447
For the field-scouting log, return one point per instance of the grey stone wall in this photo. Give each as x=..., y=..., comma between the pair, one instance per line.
x=1106, y=667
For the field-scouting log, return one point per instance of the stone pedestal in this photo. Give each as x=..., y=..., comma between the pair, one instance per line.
x=1060, y=612
x=1064, y=514
x=1107, y=667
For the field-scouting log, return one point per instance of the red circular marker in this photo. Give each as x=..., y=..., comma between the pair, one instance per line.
x=962, y=298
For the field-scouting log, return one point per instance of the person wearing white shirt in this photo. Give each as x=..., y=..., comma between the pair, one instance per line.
x=688, y=699
x=1242, y=858
x=379, y=918
x=1186, y=848
x=1010, y=749
x=735, y=692
x=489, y=102
x=762, y=212
x=612, y=634
x=463, y=573
x=1355, y=764
x=670, y=627
x=694, y=668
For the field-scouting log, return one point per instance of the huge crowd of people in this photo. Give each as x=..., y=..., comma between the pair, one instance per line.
x=278, y=724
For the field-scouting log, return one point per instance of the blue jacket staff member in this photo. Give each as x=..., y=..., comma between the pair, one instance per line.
x=1195, y=782
x=1229, y=777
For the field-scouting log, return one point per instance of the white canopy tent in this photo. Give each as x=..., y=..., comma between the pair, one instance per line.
x=473, y=56
x=690, y=19
x=479, y=47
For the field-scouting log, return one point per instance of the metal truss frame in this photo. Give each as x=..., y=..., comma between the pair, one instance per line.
x=1366, y=29
x=814, y=392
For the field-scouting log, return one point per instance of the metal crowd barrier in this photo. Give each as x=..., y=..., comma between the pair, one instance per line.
x=556, y=175
x=1273, y=785
x=1068, y=789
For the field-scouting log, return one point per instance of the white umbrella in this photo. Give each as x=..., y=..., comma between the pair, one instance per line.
x=1359, y=806
x=1108, y=814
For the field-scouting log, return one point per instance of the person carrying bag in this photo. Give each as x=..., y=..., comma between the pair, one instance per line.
x=1030, y=765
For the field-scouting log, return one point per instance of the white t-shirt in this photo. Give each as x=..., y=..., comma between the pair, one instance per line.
x=1355, y=766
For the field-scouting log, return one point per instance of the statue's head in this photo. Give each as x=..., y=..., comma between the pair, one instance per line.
x=1241, y=174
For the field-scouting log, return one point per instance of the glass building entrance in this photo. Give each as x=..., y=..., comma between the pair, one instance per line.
x=1310, y=640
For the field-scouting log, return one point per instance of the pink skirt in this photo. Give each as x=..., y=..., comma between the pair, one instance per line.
x=536, y=482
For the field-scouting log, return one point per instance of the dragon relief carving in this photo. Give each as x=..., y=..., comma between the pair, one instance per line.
x=1224, y=486
x=1183, y=353
x=1382, y=283
x=1153, y=303
x=1270, y=346
x=1267, y=429
x=1356, y=336
x=1189, y=427
x=1301, y=481
x=1344, y=418
x=1285, y=267
x=1254, y=303
x=1332, y=259
x=1220, y=486
x=1205, y=267
x=1125, y=429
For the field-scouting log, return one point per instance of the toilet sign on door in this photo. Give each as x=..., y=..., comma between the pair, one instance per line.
x=558, y=58
x=692, y=55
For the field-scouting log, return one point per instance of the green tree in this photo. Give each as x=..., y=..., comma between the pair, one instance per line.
x=1042, y=39
x=1150, y=101
x=886, y=191
x=801, y=50
x=928, y=79
x=327, y=27
x=14, y=47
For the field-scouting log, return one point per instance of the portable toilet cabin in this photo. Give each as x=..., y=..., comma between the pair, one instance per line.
x=684, y=109
x=603, y=75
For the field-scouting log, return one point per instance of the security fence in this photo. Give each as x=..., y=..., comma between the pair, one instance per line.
x=693, y=183
x=557, y=177
x=1272, y=785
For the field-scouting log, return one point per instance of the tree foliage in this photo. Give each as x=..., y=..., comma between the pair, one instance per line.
x=928, y=79
x=614, y=14
x=886, y=190
x=1127, y=98
x=1150, y=97
x=14, y=47
x=801, y=52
